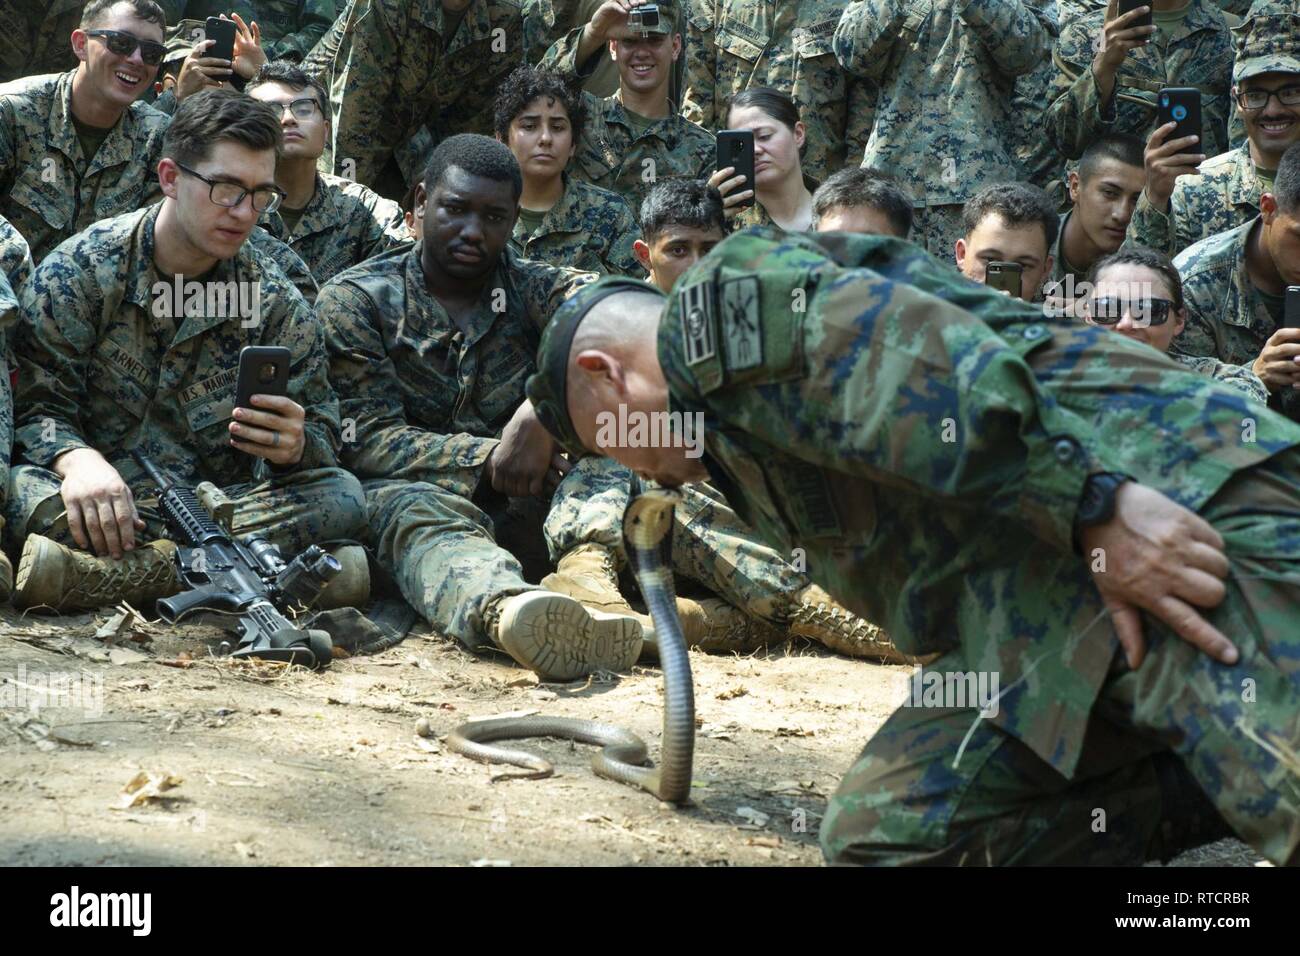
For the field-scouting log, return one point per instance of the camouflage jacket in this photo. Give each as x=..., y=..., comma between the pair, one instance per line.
x=102, y=363
x=589, y=228
x=756, y=215
x=613, y=156
x=424, y=400
x=49, y=190
x=343, y=224
x=37, y=37
x=947, y=79
x=1200, y=54
x=403, y=71
x=1227, y=321
x=15, y=258
x=924, y=441
x=736, y=44
x=1221, y=197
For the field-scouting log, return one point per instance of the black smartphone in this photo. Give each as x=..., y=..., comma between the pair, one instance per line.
x=1291, y=319
x=223, y=31
x=1128, y=6
x=1181, y=105
x=263, y=370
x=1004, y=276
x=736, y=148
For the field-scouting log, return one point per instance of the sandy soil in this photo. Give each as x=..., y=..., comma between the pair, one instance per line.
x=296, y=768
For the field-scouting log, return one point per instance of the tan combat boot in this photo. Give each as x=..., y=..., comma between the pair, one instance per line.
x=351, y=586
x=560, y=639
x=712, y=624
x=62, y=579
x=819, y=617
x=589, y=574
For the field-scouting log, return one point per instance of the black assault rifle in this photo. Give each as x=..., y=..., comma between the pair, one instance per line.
x=245, y=578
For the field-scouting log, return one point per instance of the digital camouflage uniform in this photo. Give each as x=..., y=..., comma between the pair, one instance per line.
x=1199, y=54
x=738, y=44
x=588, y=228
x=946, y=71
x=612, y=155
x=1227, y=320
x=48, y=189
x=15, y=270
x=101, y=365
x=756, y=215
x=290, y=263
x=404, y=71
x=829, y=435
x=1226, y=191
x=37, y=37
x=1221, y=197
x=344, y=223
x=428, y=404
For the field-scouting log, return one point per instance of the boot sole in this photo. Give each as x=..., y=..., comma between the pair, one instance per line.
x=37, y=590
x=561, y=639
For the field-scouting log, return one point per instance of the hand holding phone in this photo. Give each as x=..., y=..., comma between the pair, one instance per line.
x=736, y=149
x=1180, y=105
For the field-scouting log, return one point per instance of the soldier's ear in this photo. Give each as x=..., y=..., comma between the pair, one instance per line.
x=677, y=46
x=642, y=253
x=79, y=42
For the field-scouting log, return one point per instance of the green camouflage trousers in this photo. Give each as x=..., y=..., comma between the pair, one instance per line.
x=451, y=557
x=315, y=506
x=1181, y=718
x=711, y=545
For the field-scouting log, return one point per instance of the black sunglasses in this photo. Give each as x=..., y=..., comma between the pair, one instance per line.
x=1108, y=311
x=124, y=44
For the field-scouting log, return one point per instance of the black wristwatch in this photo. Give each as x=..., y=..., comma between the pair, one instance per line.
x=1097, y=502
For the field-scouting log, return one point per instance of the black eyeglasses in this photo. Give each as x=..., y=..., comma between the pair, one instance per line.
x=1258, y=99
x=230, y=195
x=302, y=109
x=1108, y=311
x=124, y=44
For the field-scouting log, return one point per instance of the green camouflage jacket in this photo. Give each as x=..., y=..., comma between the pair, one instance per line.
x=736, y=44
x=37, y=37
x=1221, y=197
x=403, y=71
x=1200, y=53
x=424, y=401
x=344, y=224
x=48, y=190
x=946, y=71
x=924, y=441
x=613, y=156
x=102, y=362
x=1227, y=321
x=15, y=258
x=590, y=229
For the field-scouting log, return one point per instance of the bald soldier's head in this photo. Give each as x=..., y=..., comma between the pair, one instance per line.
x=602, y=390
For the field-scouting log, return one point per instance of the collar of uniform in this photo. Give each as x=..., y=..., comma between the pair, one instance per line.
x=115, y=150
x=1244, y=187
x=321, y=213
x=564, y=215
x=142, y=274
x=421, y=303
x=475, y=24
x=1243, y=287
x=668, y=129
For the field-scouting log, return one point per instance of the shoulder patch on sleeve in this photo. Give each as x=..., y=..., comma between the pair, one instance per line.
x=742, y=329
x=697, y=311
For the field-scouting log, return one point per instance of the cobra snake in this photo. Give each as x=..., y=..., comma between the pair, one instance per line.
x=647, y=526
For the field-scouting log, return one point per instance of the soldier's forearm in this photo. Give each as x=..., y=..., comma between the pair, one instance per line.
x=1012, y=34
x=868, y=30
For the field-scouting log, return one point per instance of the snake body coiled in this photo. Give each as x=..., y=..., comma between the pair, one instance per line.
x=647, y=527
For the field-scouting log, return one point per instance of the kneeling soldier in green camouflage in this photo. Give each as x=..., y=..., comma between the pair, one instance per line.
x=1005, y=490
x=130, y=338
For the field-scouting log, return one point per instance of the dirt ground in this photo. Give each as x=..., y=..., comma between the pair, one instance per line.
x=283, y=767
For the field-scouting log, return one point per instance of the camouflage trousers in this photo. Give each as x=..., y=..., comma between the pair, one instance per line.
x=937, y=229
x=315, y=506
x=1179, y=719
x=451, y=557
